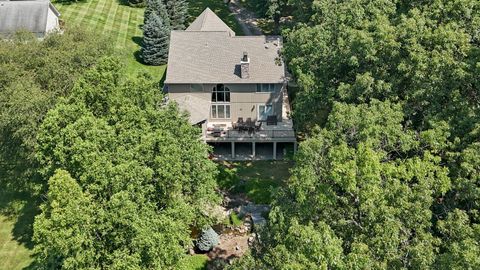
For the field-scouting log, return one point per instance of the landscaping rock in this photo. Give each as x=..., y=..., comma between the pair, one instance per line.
x=258, y=221
x=252, y=209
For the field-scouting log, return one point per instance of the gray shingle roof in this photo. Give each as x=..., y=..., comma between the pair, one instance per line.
x=214, y=57
x=26, y=15
x=209, y=21
x=198, y=108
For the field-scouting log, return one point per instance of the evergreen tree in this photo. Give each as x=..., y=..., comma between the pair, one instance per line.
x=157, y=7
x=136, y=3
x=156, y=37
x=177, y=12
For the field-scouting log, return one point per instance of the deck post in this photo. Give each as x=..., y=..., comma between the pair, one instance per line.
x=253, y=150
x=295, y=147
x=233, y=150
x=274, y=150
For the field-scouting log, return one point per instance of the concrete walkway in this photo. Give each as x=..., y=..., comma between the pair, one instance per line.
x=246, y=18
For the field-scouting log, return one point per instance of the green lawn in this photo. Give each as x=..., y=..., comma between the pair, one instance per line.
x=17, y=211
x=121, y=23
x=255, y=179
x=195, y=262
x=13, y=255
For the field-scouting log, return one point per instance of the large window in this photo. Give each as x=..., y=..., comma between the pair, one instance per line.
x=220, y=93
x=265, y=87
x=220, y=111
x=264, y=111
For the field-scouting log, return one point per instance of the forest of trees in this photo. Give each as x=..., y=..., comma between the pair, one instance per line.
x=389, y=175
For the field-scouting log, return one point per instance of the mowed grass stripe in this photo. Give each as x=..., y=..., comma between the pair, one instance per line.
x=101, y=15
x=108, y=27
x=121, y=30
x=94, y=11
x=138, y=30
x=82, y=12
x=132, y=26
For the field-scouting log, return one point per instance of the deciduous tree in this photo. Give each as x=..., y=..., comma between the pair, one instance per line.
x=139, y=162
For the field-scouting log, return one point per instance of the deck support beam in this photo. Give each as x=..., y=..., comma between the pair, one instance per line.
x=274, y=150
x=253, y=150
x=233, y=150
x=295, y=146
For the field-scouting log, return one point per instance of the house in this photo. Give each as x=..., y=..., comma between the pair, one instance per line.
x=39, y=17
x=234, y=87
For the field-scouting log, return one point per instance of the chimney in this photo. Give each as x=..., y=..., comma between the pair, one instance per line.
x=245, y=66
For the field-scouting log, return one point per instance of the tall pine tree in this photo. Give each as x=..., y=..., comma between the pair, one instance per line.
x=177, y=12
x=158, y=7
x=156, y=37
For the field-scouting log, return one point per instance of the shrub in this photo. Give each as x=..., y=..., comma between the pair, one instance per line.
x=207, y=240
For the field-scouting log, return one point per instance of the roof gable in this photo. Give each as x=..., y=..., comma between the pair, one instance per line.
x=209, y=21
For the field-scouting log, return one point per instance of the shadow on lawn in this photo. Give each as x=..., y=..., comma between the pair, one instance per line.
x=18, y=202
x=138, y=40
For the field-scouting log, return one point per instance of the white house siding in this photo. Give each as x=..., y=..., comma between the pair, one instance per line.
x=52, y=21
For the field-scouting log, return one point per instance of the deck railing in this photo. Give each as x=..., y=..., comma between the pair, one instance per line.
x=266, y=134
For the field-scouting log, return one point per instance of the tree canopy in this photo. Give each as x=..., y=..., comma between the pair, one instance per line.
x=387, y=177
x=137, y=170
x=33, y=76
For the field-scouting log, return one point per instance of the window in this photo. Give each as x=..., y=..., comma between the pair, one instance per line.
x=265, y=87
x=196, y=87
x=220, y=93
x=220, y=111
x=264, y=111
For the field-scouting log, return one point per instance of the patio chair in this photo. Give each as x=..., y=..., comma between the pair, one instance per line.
x=240, y=120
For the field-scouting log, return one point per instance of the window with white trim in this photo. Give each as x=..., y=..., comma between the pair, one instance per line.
x=265, y=87
x=220, y=111
x=264, y=111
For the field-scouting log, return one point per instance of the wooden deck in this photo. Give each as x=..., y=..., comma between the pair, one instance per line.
x=224, y=132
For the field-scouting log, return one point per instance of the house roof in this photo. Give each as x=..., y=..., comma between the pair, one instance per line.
x=27, y=15
x=197, y=108
x=209, y=21
x=202, y=55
